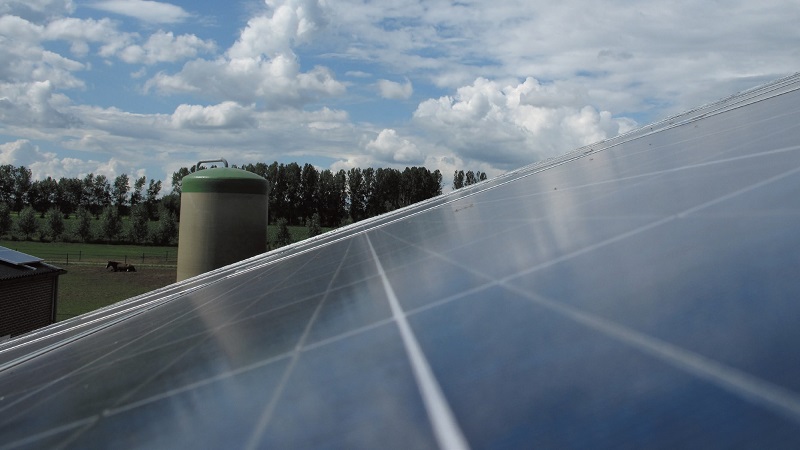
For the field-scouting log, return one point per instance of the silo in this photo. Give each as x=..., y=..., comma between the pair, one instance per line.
x=223, y=218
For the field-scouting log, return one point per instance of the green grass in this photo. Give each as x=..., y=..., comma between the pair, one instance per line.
x=65, y=253
x=87, y=285
x=85, y=288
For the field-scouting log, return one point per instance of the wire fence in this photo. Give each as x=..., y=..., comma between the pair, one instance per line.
x=163, y=258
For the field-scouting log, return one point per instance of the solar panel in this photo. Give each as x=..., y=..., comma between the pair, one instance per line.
x=638, y=292
x=17, y=258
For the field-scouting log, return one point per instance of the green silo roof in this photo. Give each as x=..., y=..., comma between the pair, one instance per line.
x=224, y=180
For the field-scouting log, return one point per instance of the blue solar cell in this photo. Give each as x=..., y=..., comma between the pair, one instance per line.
x=638, y=292
x=15, y=257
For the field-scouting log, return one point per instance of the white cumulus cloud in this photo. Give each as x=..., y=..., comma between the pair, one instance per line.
x=36, y=9
x=33, y=104
x=43, y=164
x=389, y=147
x=79, y=33
x=395, y=91
x=275, y=83
x=261, y=66
x=510, y=125
x=166, y=47
x=224, y=115
x=290, y=23
x=144, y=10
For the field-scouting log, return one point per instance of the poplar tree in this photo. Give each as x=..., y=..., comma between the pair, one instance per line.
x=83, y=224
x=54, y=223
x=27, y=223
x=111, y=223
x=5, y=218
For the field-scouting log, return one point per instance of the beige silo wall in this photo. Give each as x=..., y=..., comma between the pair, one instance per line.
x=217, y=229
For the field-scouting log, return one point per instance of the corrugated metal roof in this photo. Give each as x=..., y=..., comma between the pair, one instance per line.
x=15, y=264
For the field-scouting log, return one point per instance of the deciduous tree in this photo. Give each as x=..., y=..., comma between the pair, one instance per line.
x=138, y=186
x=356, y=190
x=293, y=193
x=139, y=230
x=83, y=224
x=7, y=184
x=458, y=179
x=5, y=218
x=110, y=223
x=54, y=223
x=167, y=230
x=71, y=190
x=176, y=179
x=119, y=193
x=151, y=198
x=43, y=195
x=470, y=179
x=27, y=223
x=309, y=190
x=22, y=184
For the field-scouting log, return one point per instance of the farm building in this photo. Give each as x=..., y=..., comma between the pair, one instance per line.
x=28, y=293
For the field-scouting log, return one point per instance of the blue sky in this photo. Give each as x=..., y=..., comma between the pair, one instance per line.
x=146, y=87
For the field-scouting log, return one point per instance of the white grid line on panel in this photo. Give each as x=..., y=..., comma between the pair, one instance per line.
x=750, y=388
x=445, y=427
x=266, y=415
x=117, y=349
x=741, y=384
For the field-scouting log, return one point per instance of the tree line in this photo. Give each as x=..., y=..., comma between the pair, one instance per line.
x=461, y=179
x=299, y=195
x=92, y=192
x=96, y=203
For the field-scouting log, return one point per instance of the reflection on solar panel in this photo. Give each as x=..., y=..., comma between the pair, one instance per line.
x=639, y=292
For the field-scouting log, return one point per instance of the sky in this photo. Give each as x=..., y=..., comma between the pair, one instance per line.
x=145, y=87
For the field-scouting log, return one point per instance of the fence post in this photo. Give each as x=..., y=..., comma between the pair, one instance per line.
x=79, y=255
x=67, y=258
x=142, y=257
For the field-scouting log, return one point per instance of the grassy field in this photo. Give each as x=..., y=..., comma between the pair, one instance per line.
x=79, y=253
x=87, y=285
x=65, y=253
x=85, y=288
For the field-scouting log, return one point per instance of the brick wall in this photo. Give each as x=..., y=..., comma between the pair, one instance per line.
x=26, y=303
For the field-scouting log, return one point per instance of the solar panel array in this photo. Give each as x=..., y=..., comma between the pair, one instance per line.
x=16, y=258
x=639, y=292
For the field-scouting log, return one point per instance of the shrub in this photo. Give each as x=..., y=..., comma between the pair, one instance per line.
x=284, y=236
x=313, y=225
